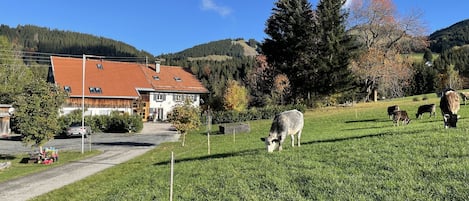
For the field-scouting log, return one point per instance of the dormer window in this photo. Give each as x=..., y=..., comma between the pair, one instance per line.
x=156, y=77
x=68, y=89
x=96, y=90
x=178, y=79
x=99, y=66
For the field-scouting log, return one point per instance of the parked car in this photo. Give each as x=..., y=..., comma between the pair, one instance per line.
x=77, y=130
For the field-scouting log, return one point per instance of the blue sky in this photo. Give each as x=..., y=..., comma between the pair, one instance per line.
x=169, y=26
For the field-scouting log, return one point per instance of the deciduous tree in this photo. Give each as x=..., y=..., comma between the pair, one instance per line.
x=184, y=118
x=37, y=112
x=384, y=36
x=235, y=97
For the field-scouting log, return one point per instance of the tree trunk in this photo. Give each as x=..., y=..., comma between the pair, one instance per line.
x=375, y=95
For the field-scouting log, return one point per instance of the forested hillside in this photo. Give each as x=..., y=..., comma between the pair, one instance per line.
x=217, y=62
x=38, y=39
x=454, y=35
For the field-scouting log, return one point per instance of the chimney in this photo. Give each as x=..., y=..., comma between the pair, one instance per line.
x=157, y=66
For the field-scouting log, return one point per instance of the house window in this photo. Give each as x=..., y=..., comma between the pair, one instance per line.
x=159, y=97
x=99, y=66
x=92, y=90
x=68, y=89
x=178, y=98
x=178, y=79
x=155, y=77
x=192, y=97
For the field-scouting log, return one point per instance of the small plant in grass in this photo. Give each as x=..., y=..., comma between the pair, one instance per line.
x=416, y=99
x=184, y=118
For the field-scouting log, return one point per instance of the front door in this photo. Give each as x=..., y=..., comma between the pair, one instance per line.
x=160, y=114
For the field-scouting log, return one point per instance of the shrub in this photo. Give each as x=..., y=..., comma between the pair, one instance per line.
x=268, y=112
x=116, y=122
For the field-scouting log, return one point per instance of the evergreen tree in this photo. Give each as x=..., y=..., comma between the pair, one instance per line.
x=332, y=72
x=428, y=55
x=290, y=47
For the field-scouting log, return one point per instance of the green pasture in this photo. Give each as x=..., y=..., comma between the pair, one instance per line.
x=352, y=153
x=19, y=166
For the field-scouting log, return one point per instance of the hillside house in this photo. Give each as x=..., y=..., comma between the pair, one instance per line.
x=148, y=90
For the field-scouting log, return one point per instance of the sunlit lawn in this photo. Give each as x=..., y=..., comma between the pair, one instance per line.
x=352, y=153
x=19, y=167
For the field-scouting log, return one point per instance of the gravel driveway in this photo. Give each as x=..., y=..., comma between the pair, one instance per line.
x=113, y=146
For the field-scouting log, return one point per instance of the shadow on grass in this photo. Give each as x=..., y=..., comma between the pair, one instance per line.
x=256, y=151
x=385, y=133
x=129, y=144
x=213, y=156
x=6, y=157
x=363, y=120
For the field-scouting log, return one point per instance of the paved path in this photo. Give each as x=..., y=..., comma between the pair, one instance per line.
x=34, y=185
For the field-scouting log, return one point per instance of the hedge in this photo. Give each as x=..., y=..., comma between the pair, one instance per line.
x=219, y=117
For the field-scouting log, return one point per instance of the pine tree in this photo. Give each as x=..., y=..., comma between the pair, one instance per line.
x=291, y=44
x=333, y=74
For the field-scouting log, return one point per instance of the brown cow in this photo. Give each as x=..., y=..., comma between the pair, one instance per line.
x=449, y=105
x=400, y=115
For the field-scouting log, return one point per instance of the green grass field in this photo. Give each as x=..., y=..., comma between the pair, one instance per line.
x=19, y=169
x=352, y=153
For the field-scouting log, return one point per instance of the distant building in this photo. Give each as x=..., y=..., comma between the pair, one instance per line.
x=148, y=90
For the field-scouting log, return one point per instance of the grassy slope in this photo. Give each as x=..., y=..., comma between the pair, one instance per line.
x=347, y=154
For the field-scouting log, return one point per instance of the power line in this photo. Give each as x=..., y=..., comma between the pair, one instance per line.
x=29, y=57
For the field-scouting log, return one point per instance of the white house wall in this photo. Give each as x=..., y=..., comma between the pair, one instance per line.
x=95, y=111
x=166, y=102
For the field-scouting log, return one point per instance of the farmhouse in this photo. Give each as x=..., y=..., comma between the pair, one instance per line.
x=148, y=90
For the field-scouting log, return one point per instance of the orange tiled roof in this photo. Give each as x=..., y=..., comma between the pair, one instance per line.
x=121, y=79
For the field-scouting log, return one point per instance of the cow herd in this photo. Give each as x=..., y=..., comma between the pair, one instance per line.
x=291, y=122
x=449, y=106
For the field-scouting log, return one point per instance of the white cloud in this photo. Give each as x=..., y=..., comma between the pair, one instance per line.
x=210, y=5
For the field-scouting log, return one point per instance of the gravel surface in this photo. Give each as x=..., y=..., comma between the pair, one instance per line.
x=117, y=148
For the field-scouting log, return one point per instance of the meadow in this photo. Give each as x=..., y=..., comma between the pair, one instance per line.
x=347, y=153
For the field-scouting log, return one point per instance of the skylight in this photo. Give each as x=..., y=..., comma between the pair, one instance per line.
x=95, y=90
x=99, y=66
x=156, y=77
x=68, y=89
x=178, y=79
